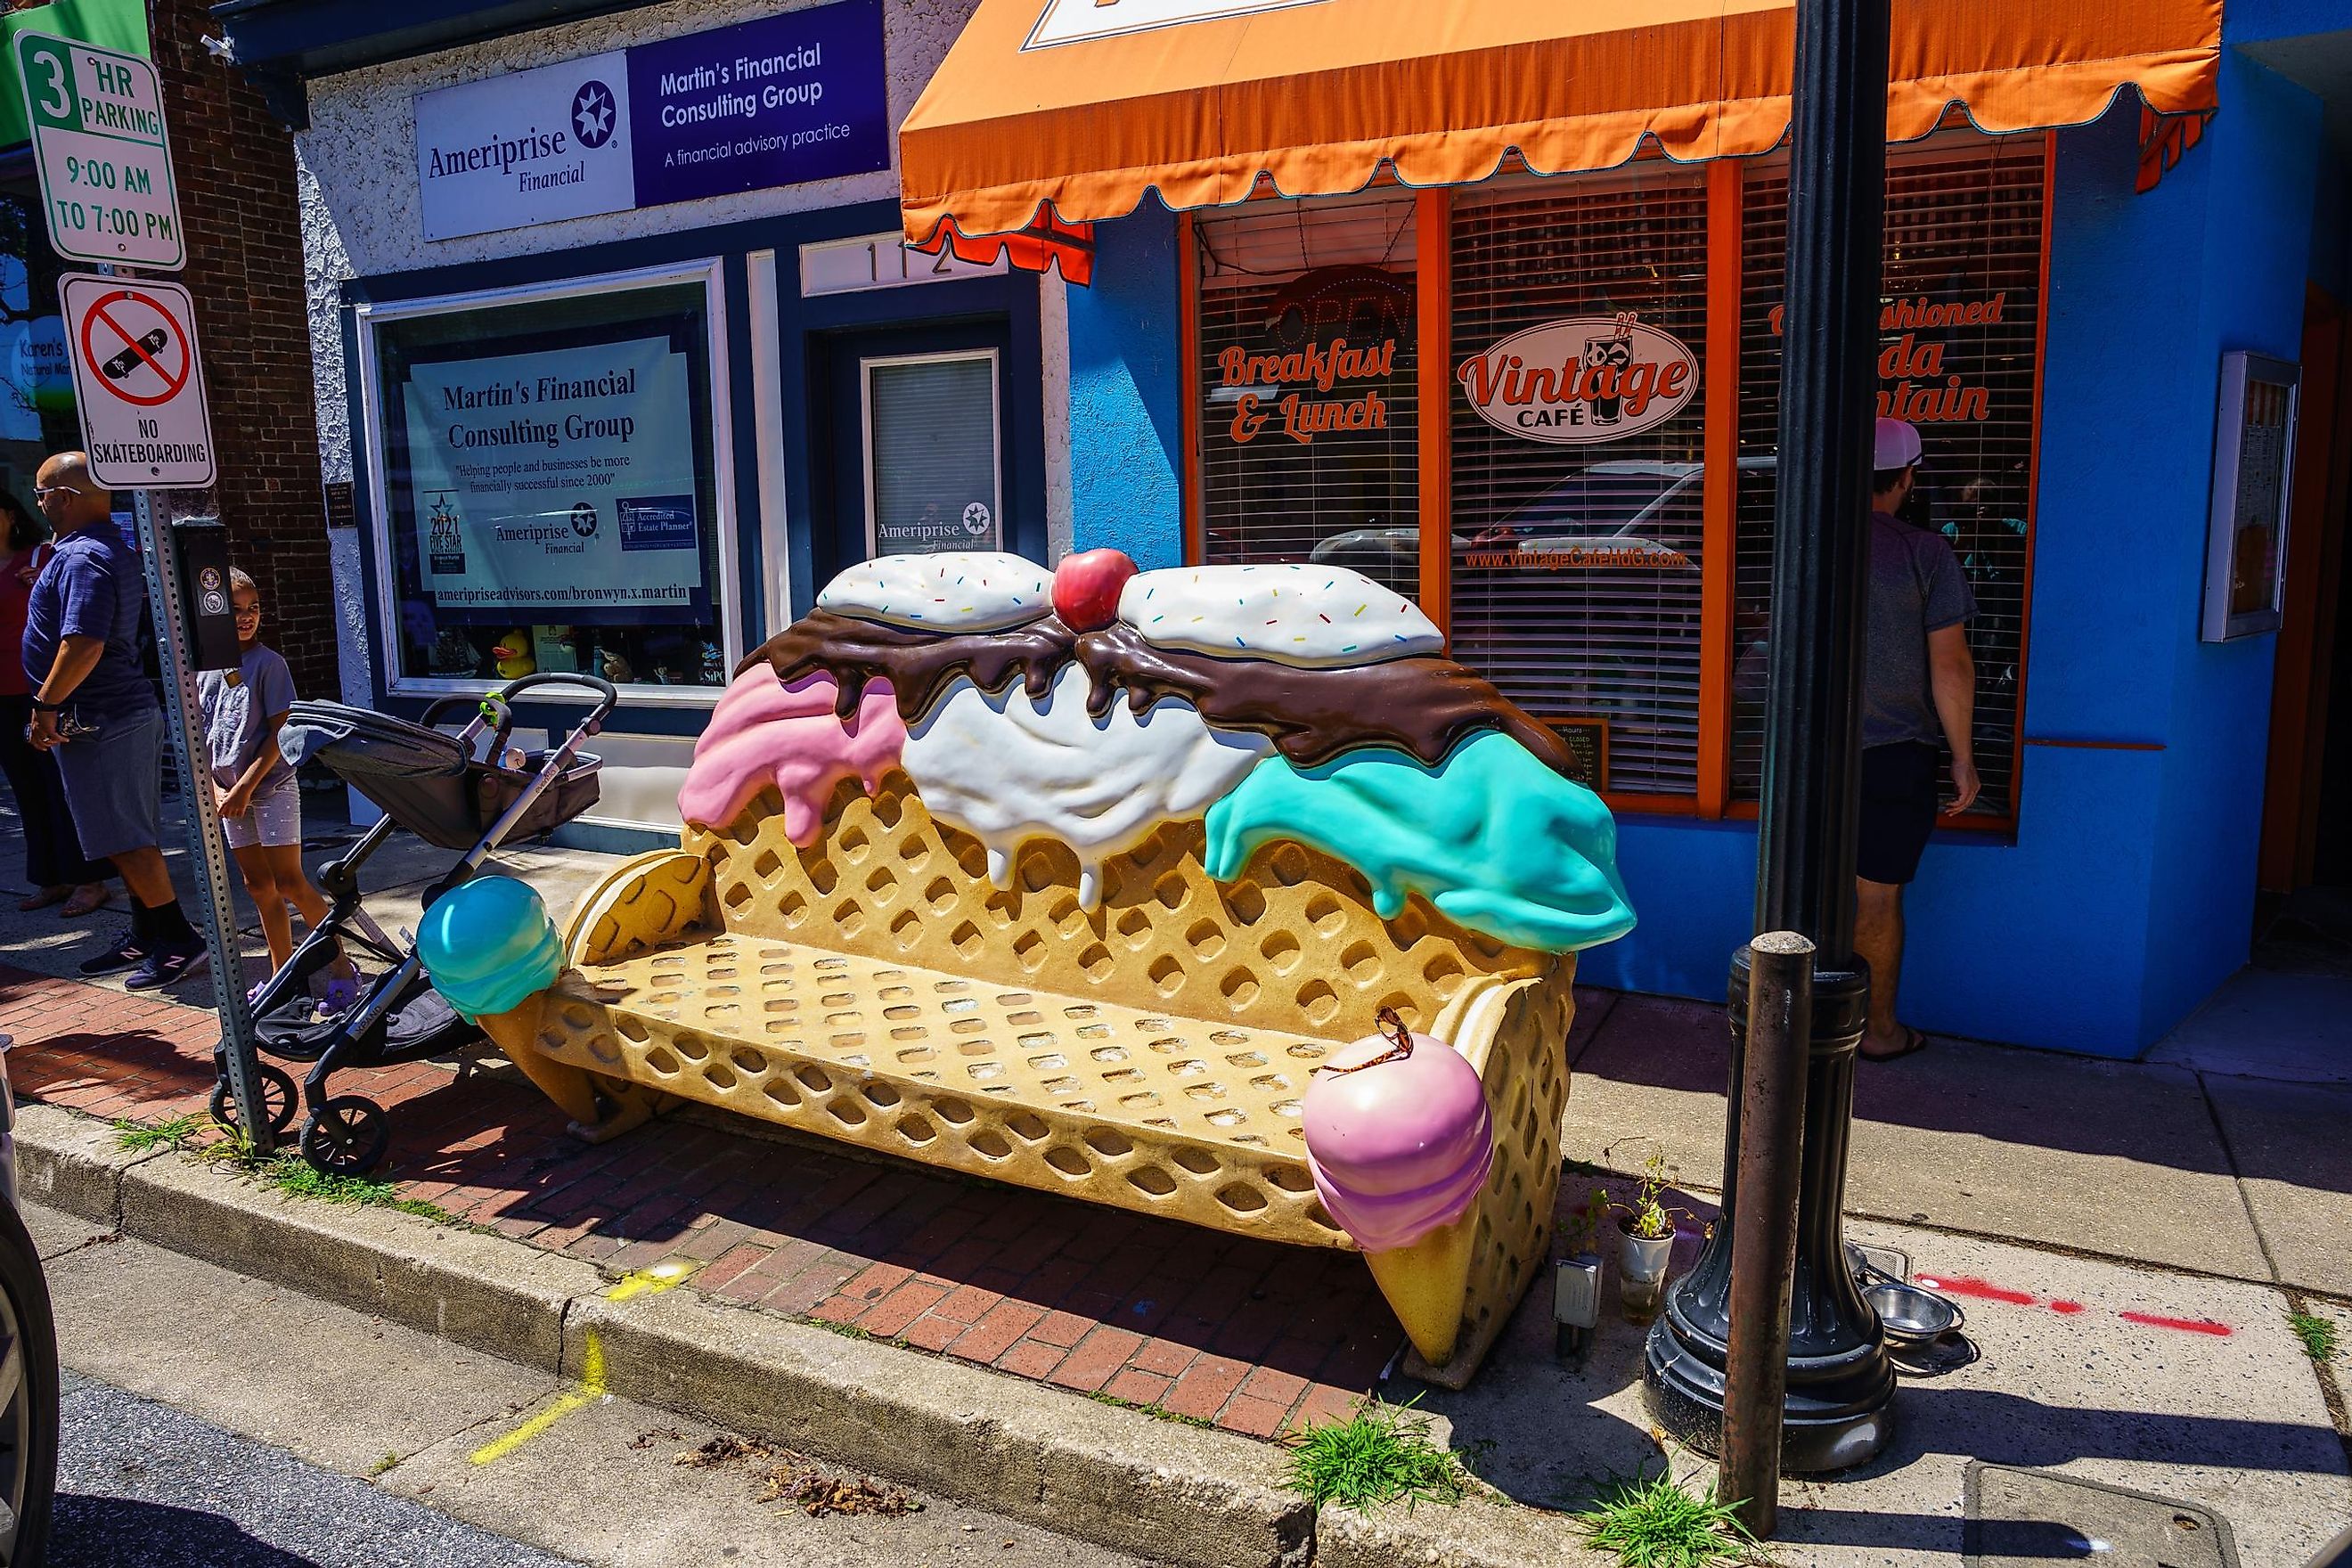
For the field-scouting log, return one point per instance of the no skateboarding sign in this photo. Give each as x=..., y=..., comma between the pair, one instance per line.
x=138, y=381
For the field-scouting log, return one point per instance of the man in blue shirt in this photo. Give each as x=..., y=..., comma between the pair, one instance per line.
x=93, y=707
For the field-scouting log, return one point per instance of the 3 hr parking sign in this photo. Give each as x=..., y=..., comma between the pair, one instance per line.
x=106, y=165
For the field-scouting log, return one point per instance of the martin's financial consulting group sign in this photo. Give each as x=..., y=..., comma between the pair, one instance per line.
x=777, y=101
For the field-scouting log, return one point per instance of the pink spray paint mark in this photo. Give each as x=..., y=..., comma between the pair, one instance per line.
x=1983, y=1289
x=763, y=733
x=2184, y=1325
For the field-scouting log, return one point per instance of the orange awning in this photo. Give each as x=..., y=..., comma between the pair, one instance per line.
x=1083, y=105
x=1047, y=242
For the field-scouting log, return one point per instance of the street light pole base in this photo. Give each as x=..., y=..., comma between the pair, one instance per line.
x=1838, y=1411
x=1843, y=1417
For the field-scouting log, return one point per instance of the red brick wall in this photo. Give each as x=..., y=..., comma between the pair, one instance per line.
x=236, y=170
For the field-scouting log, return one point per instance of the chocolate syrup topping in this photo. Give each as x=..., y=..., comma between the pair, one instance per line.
x=1424, y=705
x=919, y=665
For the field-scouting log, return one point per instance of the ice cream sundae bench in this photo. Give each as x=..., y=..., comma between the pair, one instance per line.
x=1215, y=893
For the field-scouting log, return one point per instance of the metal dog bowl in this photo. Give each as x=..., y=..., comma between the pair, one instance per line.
x=1912, y=1316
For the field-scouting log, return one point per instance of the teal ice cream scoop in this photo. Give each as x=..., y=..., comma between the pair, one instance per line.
x=487, y=945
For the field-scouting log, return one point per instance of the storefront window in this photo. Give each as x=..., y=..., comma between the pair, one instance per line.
x=1577, y=450
x=36, y=403
x=549, y=486
x=1308, y=417
x=1579, y=317
x=1959, y=357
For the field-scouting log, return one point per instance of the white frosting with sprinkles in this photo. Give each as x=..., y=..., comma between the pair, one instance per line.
x=1006, y=770
x=956, y=591
x=1319, y=617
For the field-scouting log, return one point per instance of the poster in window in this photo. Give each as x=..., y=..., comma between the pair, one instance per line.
x=2253, y=454
x=557, y=486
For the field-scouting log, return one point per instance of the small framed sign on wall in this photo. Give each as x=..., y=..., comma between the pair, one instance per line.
x=2253, y=459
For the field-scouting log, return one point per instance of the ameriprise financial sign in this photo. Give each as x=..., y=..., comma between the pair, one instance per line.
x=777, y=101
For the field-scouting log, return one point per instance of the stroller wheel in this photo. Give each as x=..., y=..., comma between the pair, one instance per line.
x=346, y=1136
x=277, y=1092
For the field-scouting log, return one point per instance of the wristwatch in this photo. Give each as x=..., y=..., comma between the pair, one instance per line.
x=41, y=707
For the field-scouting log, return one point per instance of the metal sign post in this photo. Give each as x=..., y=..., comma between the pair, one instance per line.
x=109, y=196
x=206, y=852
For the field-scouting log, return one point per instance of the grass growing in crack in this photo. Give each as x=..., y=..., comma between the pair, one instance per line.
x=2317, y=1334
x=138, y=1137
x=293, y=1174
x=1157, y=1412
x=1655, y=1523
x=387, y=1462
x=290, y=1174
x=1383, y=1453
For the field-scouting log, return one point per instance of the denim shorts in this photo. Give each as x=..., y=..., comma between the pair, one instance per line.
x=274, y=818
x=114, y=783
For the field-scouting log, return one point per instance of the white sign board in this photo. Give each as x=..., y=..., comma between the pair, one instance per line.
x=531, y=147
x=883, y=261
x=138, y=383
x=98, y=139
x=1075, y=21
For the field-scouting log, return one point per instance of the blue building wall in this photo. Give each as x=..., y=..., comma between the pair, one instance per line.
x=1126, y=394
x=2128, y=895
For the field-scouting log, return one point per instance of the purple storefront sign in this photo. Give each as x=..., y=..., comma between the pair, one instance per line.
x=777, y=101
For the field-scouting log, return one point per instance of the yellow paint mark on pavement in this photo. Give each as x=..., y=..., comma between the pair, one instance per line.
x=591, y=1390
x=667, y=1275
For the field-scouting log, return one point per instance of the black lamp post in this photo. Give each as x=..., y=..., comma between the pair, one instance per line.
x=1840, y=1387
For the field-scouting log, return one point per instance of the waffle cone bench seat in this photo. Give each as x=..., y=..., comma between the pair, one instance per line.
x=894, y=982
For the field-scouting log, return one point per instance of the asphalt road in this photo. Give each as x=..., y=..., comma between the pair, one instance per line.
x=141, y=1484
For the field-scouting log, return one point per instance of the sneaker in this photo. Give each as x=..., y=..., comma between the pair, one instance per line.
x=123, y=952
x=166, y=965
x=341, y=994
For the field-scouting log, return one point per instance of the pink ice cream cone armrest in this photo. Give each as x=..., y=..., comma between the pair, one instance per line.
x=1087, y=880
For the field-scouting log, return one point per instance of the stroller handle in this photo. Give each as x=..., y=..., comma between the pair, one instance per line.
x=608, y=696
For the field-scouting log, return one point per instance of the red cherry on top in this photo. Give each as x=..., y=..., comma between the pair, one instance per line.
x=1087, y=587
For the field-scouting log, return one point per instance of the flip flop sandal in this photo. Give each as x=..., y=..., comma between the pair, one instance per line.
x=1913, y=1040
x=78, y=906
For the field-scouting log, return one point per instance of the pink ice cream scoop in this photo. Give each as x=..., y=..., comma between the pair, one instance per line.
x=763, y=732
x=1398, y=1139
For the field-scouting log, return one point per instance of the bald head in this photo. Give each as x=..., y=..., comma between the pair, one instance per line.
x=70, y=499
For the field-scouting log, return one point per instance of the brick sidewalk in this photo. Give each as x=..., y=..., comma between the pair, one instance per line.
x=1250, y=1336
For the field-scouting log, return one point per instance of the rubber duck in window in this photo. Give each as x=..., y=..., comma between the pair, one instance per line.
x=511, y=655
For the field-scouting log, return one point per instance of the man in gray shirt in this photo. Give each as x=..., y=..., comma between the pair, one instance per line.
x=1919, y=688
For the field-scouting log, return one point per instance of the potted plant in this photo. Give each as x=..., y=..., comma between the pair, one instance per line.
x=1576, y=1290
x=1645, y=1239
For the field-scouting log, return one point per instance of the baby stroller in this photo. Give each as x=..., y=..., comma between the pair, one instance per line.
x=431, y=783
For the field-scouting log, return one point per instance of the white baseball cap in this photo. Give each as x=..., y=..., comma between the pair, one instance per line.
x=1897, y=446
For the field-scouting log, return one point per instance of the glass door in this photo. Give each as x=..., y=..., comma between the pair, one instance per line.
x=934, y=476
x=915, y=456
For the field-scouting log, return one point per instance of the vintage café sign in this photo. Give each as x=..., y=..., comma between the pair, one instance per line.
x=1583, y=380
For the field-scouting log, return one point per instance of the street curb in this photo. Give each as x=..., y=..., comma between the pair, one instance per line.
x=1162, y=1489
x=1473, y=1533
x=479, y=1291
x=72, y=1162
x=1158, y=1488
